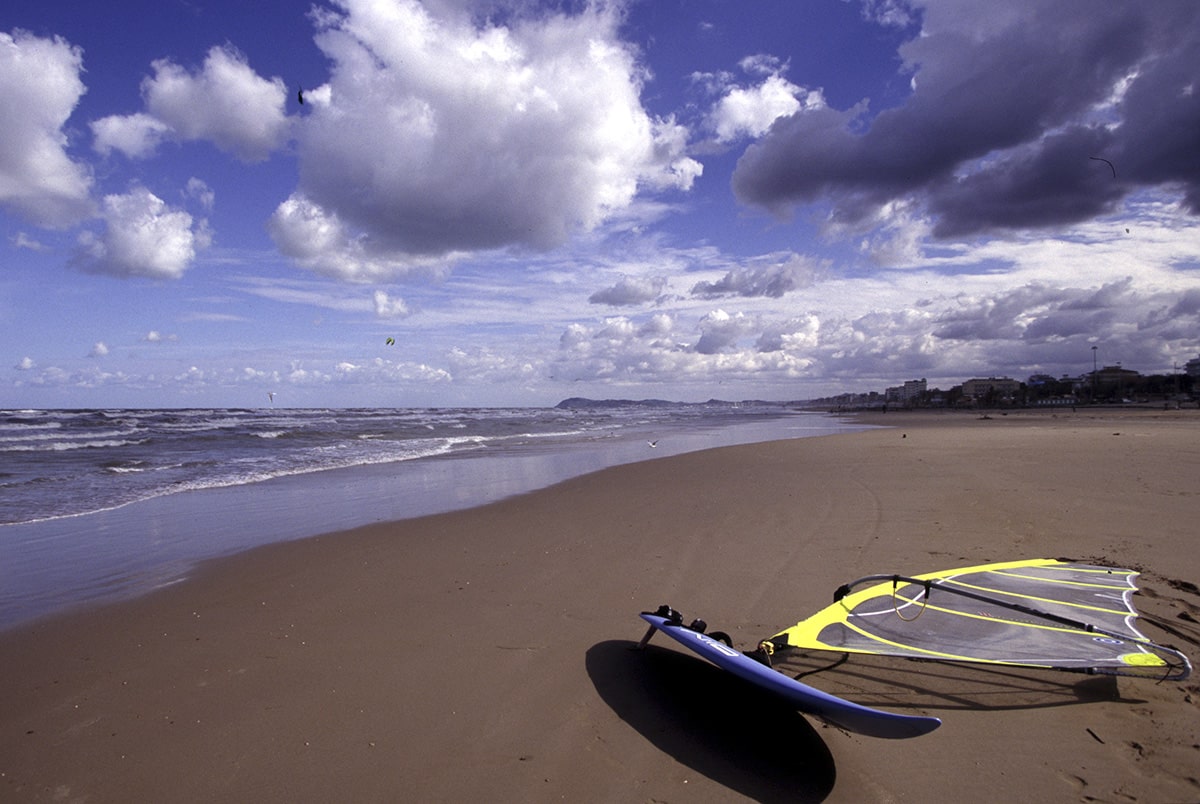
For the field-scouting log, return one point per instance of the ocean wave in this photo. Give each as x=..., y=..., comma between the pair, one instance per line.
x=100, y=460
x=67, y=446
x=47, y=433
x=125, y=467
x=245, y=471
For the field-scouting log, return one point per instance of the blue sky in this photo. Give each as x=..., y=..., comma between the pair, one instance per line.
x=681, y=199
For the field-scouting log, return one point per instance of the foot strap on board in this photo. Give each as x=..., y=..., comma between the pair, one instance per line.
x=761, y=654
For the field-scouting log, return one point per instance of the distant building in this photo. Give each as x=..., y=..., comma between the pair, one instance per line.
x=1192, y=367
x=1108, y=382
x=907, y=394
x=998, y=387
x=1115, y=375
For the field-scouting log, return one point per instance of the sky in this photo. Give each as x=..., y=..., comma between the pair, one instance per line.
x=508, y=203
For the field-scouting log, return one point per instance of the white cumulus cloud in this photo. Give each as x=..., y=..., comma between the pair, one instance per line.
x=630, y=290
x=443, y=136
x=772, y=276
x=200, y=191
x=749, y=111
x=142, y=236
x=720, y=331
x=387, y=307
x=318, y=240
x=225, y=103
x=23, y=240
x=136, y=135
x=39, y=88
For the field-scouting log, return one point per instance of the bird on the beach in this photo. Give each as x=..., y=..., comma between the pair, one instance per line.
x=1111, y=166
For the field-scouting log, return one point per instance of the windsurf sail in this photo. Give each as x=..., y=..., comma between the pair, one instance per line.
x=1045, y=613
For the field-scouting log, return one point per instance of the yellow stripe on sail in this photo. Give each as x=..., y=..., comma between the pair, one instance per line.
x=927, y=652
x=1109, y=571
x=1123, y=612
x=1005, y=621
x=1128, y=587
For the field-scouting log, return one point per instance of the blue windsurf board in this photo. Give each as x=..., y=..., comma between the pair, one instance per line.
x=809, y=700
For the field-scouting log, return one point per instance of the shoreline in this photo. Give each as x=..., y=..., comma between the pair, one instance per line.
x=122, y=552
x=484, y=652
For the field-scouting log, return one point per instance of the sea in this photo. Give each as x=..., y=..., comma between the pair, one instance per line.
x=99, y=505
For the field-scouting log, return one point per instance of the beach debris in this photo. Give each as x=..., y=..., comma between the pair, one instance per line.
x=1105, y=161
x=1095, y=736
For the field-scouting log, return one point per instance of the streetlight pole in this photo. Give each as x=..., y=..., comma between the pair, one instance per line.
x=1093, y=375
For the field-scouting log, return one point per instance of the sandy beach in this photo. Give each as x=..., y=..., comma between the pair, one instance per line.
x=485, y=655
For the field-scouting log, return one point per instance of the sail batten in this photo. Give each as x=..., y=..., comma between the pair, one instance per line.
x=1035, y=599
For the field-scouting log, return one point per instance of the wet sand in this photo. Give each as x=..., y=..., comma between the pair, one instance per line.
x=485, y=654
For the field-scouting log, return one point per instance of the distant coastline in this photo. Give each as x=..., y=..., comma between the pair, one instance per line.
x=580, y=403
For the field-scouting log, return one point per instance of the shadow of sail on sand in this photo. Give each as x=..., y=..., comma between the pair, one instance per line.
x=928, y=686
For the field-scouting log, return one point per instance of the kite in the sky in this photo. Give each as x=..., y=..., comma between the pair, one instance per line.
x=300, y=95
x=1105, y=161
x=390, y=341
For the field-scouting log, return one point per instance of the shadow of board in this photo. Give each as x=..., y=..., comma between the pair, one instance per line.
x=713, y=722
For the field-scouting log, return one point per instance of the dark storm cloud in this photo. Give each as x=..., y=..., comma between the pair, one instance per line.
x=1159, y=139
x=1044, y=184
x=1178, y=321
x=1009, y=101
x=1040, y=312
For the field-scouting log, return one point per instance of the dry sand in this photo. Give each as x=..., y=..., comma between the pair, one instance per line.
x=485, y=655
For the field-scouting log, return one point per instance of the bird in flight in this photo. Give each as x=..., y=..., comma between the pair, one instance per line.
x=300, y=95
x=1105, y=161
